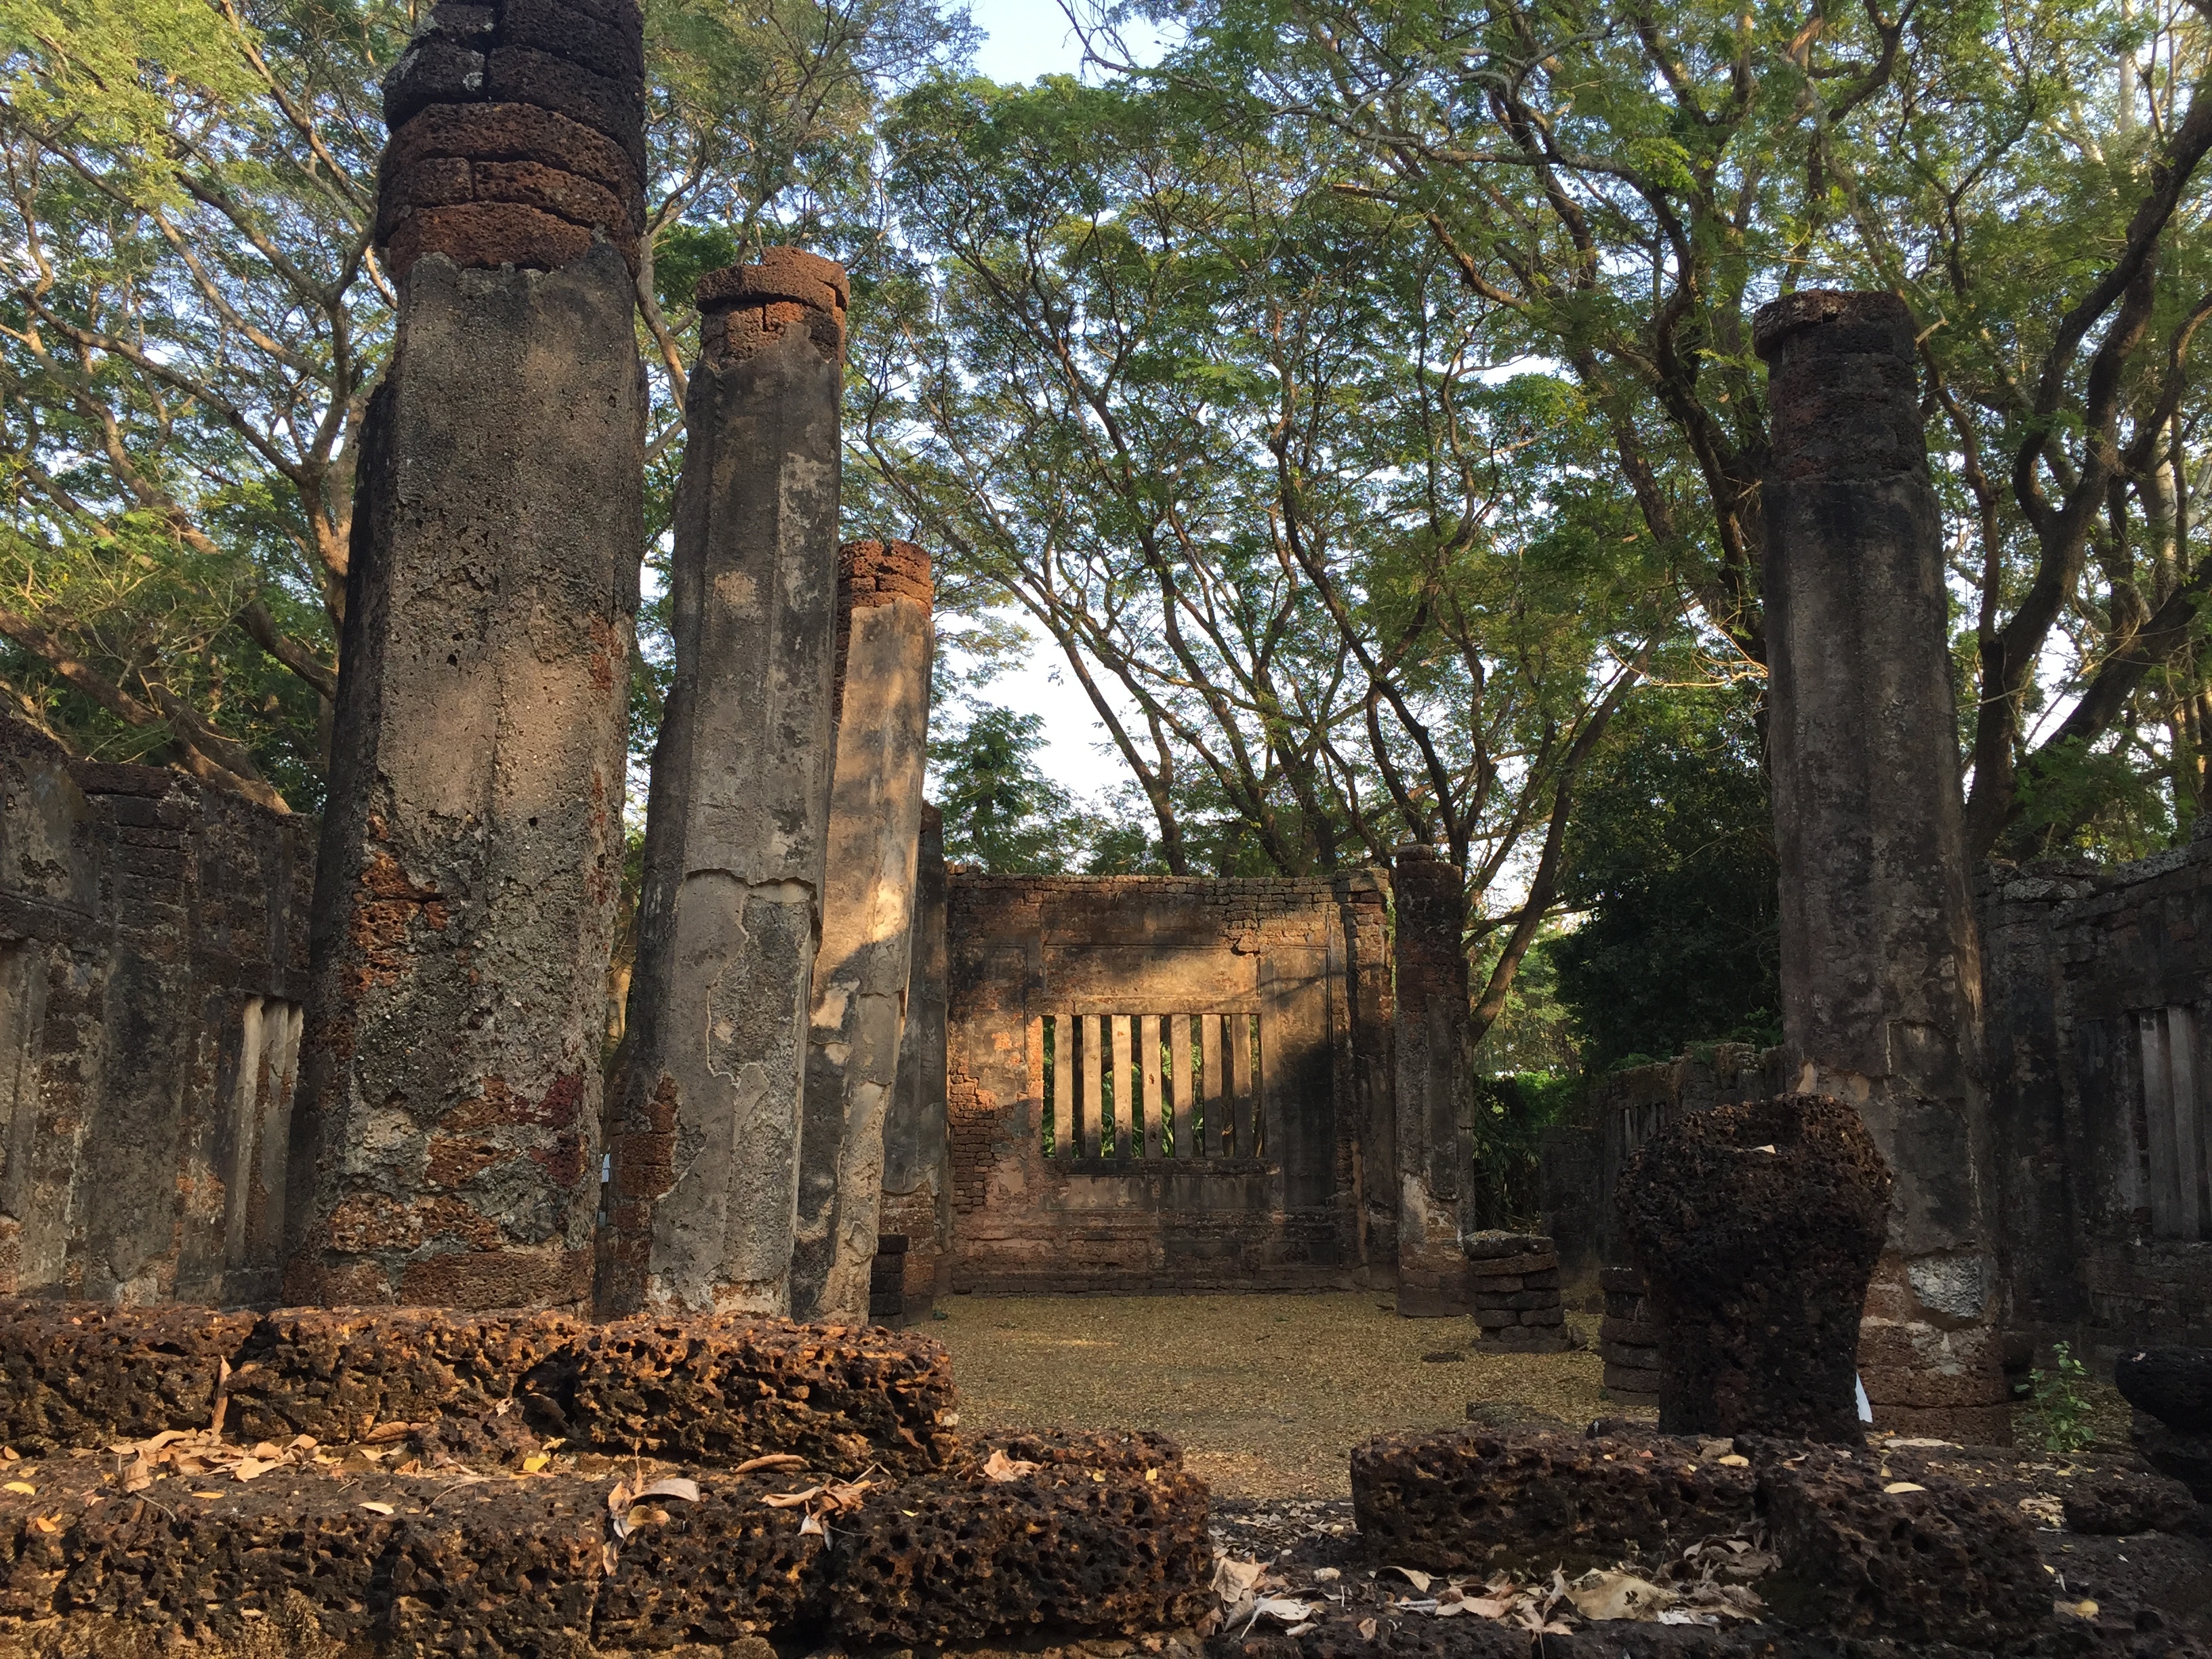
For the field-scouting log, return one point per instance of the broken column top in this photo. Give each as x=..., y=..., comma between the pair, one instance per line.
x=518, y=135
x=876, y=573
x=872, y=574
x=744, y=307
x=1842, y=388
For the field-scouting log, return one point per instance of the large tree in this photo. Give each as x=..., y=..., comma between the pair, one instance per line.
x=1623, y=181
x=1329, y=564
x=193, y=318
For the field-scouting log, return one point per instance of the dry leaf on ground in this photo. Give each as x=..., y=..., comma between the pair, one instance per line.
x=999, y=1467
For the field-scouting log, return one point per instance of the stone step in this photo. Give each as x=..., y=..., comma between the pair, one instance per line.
x=713, y=1390
x=1454, y=1502
x=1102, y=1535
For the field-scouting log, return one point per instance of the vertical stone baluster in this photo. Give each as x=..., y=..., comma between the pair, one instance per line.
x=1125, y=1120
x=446, y=1147
x=1066, y=1134
x=1220, y=1140
x=1179, y=1084
x=1881, y=966
x=1148, y=1041
x=707, y=1129
x=884, y=646
x=1093, y=1108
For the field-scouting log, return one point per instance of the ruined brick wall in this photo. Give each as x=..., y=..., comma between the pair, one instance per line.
x=153, y=945
x=2099, y=991
x=1160, y=1083
x=2098, y=994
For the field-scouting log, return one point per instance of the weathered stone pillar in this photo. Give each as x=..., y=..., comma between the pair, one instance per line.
x=1881, y=973
x=705, y=1133
x=1369, y=1084
x=445, y=1146
x=917, y=1199
x=1430, y=899
x=861, y=975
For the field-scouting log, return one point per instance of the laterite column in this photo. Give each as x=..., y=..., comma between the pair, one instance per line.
x=1880, y=971
x=1430, y=896
x=705, y=1136
x=862, y=974
x=445, y=1146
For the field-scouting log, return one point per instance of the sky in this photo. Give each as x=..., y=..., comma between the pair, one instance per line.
x=1027, y=38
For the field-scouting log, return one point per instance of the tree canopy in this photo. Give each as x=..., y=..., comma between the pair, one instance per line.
x=1358, y=400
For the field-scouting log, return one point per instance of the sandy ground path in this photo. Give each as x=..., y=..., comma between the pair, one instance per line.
x=1267, y=1394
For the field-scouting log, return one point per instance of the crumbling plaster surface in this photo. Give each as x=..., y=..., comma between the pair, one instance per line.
x=471, y=850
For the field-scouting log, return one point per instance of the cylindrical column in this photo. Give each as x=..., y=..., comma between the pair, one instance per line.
x=705, y=1133
x=862, y=974
x=1881, y=970
x=446, y=1143
x=917, y=1152
x=1430, y=894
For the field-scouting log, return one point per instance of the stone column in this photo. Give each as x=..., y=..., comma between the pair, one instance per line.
x=917, y=1154
x=1369, y=1084
x=705, y=1132
x=446, y=1147
x=1431, y=1039
x=884, y=648
x=1881, y=978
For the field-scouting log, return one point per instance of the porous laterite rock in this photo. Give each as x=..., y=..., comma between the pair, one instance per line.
x=1065, y=1546
x=2179, y=1455
x=720, y=1389
x=713, y=1390
x=555, y=86
x=706, y=1131
x=2174, y=1385
x=1921, y=1561
x=531, y=1566
x=1758, y=1227
x=337, y=1373
x=76, y=1374
x=1466, y=1502
x=2123, y=1501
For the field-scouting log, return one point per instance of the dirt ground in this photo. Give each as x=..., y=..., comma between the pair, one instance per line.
x=1267, y=1394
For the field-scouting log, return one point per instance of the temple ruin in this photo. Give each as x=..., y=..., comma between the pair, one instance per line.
x=313, y=1154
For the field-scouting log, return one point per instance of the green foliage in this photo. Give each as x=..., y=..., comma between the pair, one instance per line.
x=2098, y=800
x=195, y=317
x=1241, y=448
x=2058, y=1414
x=1002, y=814
x=1535, y=1035
x=1671, y=860
x=1506, y=1118
x=1623, y=186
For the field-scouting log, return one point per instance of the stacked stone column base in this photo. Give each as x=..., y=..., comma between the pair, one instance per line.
x=1925, y=1379
x=1513, y=1291
x=1628, y=1341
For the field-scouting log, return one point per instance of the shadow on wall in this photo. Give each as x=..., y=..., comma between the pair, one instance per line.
x=2098, y=994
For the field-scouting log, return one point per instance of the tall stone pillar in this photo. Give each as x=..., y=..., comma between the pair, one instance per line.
x=446, y=1143
x=860, y=976
x=1880, y=971
x=1369, y=1080
x=705, y=1132
x=1430, y=1039
x=917, y=1201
